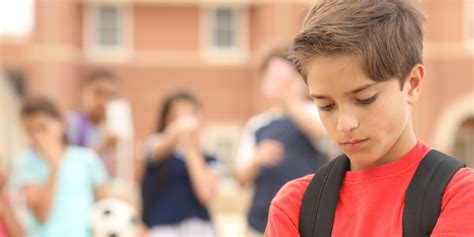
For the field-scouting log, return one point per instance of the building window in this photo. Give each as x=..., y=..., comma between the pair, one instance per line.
x=108, y=26
x=108, y=31
x=224, y=30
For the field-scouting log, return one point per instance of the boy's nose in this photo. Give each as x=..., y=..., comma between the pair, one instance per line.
x=347, y=122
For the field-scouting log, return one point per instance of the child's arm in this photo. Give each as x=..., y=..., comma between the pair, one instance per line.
x=296, y=107
x=98, y=176
x=101, y=191
x=268, y=153
x=12, y=225
x=164, y=147
x=305, y=120
x=203, y=178
x=108, y=142
x=167, y=141
x=7, y=215
x=40, y=198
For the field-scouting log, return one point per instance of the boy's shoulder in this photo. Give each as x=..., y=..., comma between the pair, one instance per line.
x=465, y=174
x=457, y=207
x=290, y=196
x=462, y=184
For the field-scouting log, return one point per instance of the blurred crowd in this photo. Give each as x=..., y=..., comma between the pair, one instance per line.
x=67, y=182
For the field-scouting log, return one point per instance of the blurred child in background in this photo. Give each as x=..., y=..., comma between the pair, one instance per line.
x=86, y=126
x=58, y=182
x=180, y=179
x=281, y=143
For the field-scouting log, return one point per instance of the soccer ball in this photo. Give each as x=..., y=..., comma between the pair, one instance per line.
x=115, y=218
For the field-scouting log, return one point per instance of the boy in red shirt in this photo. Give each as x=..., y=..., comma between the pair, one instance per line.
x=362, y=62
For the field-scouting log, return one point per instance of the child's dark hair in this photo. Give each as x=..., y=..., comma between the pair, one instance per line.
x=99, y=75
x=36, y=105
x=168, y=103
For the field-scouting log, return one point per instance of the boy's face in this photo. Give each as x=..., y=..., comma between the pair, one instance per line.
x=369, y=120
x=96, y=95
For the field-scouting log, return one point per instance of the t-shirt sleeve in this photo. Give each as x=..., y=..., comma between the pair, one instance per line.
x=280, y=223
x=98, y=174
x=150, y=145
x=247, y=147
x=283, y=217
x=457, y=209
x=26, y=171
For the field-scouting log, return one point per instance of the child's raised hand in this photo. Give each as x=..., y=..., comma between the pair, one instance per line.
x=276, y=78
x=49, y=143
x=269, y=153
x=189, y=127
x=294, y=93
x=110, y=140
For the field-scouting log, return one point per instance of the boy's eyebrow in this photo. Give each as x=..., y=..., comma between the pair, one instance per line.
x=357, y=90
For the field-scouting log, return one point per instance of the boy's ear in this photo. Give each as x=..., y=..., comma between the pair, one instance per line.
x=414, y=83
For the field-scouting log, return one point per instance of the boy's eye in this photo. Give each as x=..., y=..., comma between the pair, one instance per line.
x=367, y=101
x=326, y=107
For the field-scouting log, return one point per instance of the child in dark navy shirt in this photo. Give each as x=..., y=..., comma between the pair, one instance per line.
x=180, y=179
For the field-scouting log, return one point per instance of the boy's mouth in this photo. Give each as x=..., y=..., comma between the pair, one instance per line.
x=353, y=141
x=353, y=144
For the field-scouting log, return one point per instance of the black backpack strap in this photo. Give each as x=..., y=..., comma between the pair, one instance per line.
x=319, y=201
x=425, y=193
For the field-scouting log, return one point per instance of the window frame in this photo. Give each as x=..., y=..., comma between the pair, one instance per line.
x=224, y=55
x=93, y=51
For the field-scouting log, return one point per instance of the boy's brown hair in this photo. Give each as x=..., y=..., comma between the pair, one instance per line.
x=385, y=35
x=37, y=105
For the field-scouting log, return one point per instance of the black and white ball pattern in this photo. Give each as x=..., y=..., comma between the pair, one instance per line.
x=115, y=218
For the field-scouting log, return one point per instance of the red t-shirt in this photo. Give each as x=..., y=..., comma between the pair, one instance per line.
x=371, y=201
x=2, y=229
x=3, y=233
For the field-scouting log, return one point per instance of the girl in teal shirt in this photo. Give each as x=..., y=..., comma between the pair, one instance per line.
x=59, y=182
